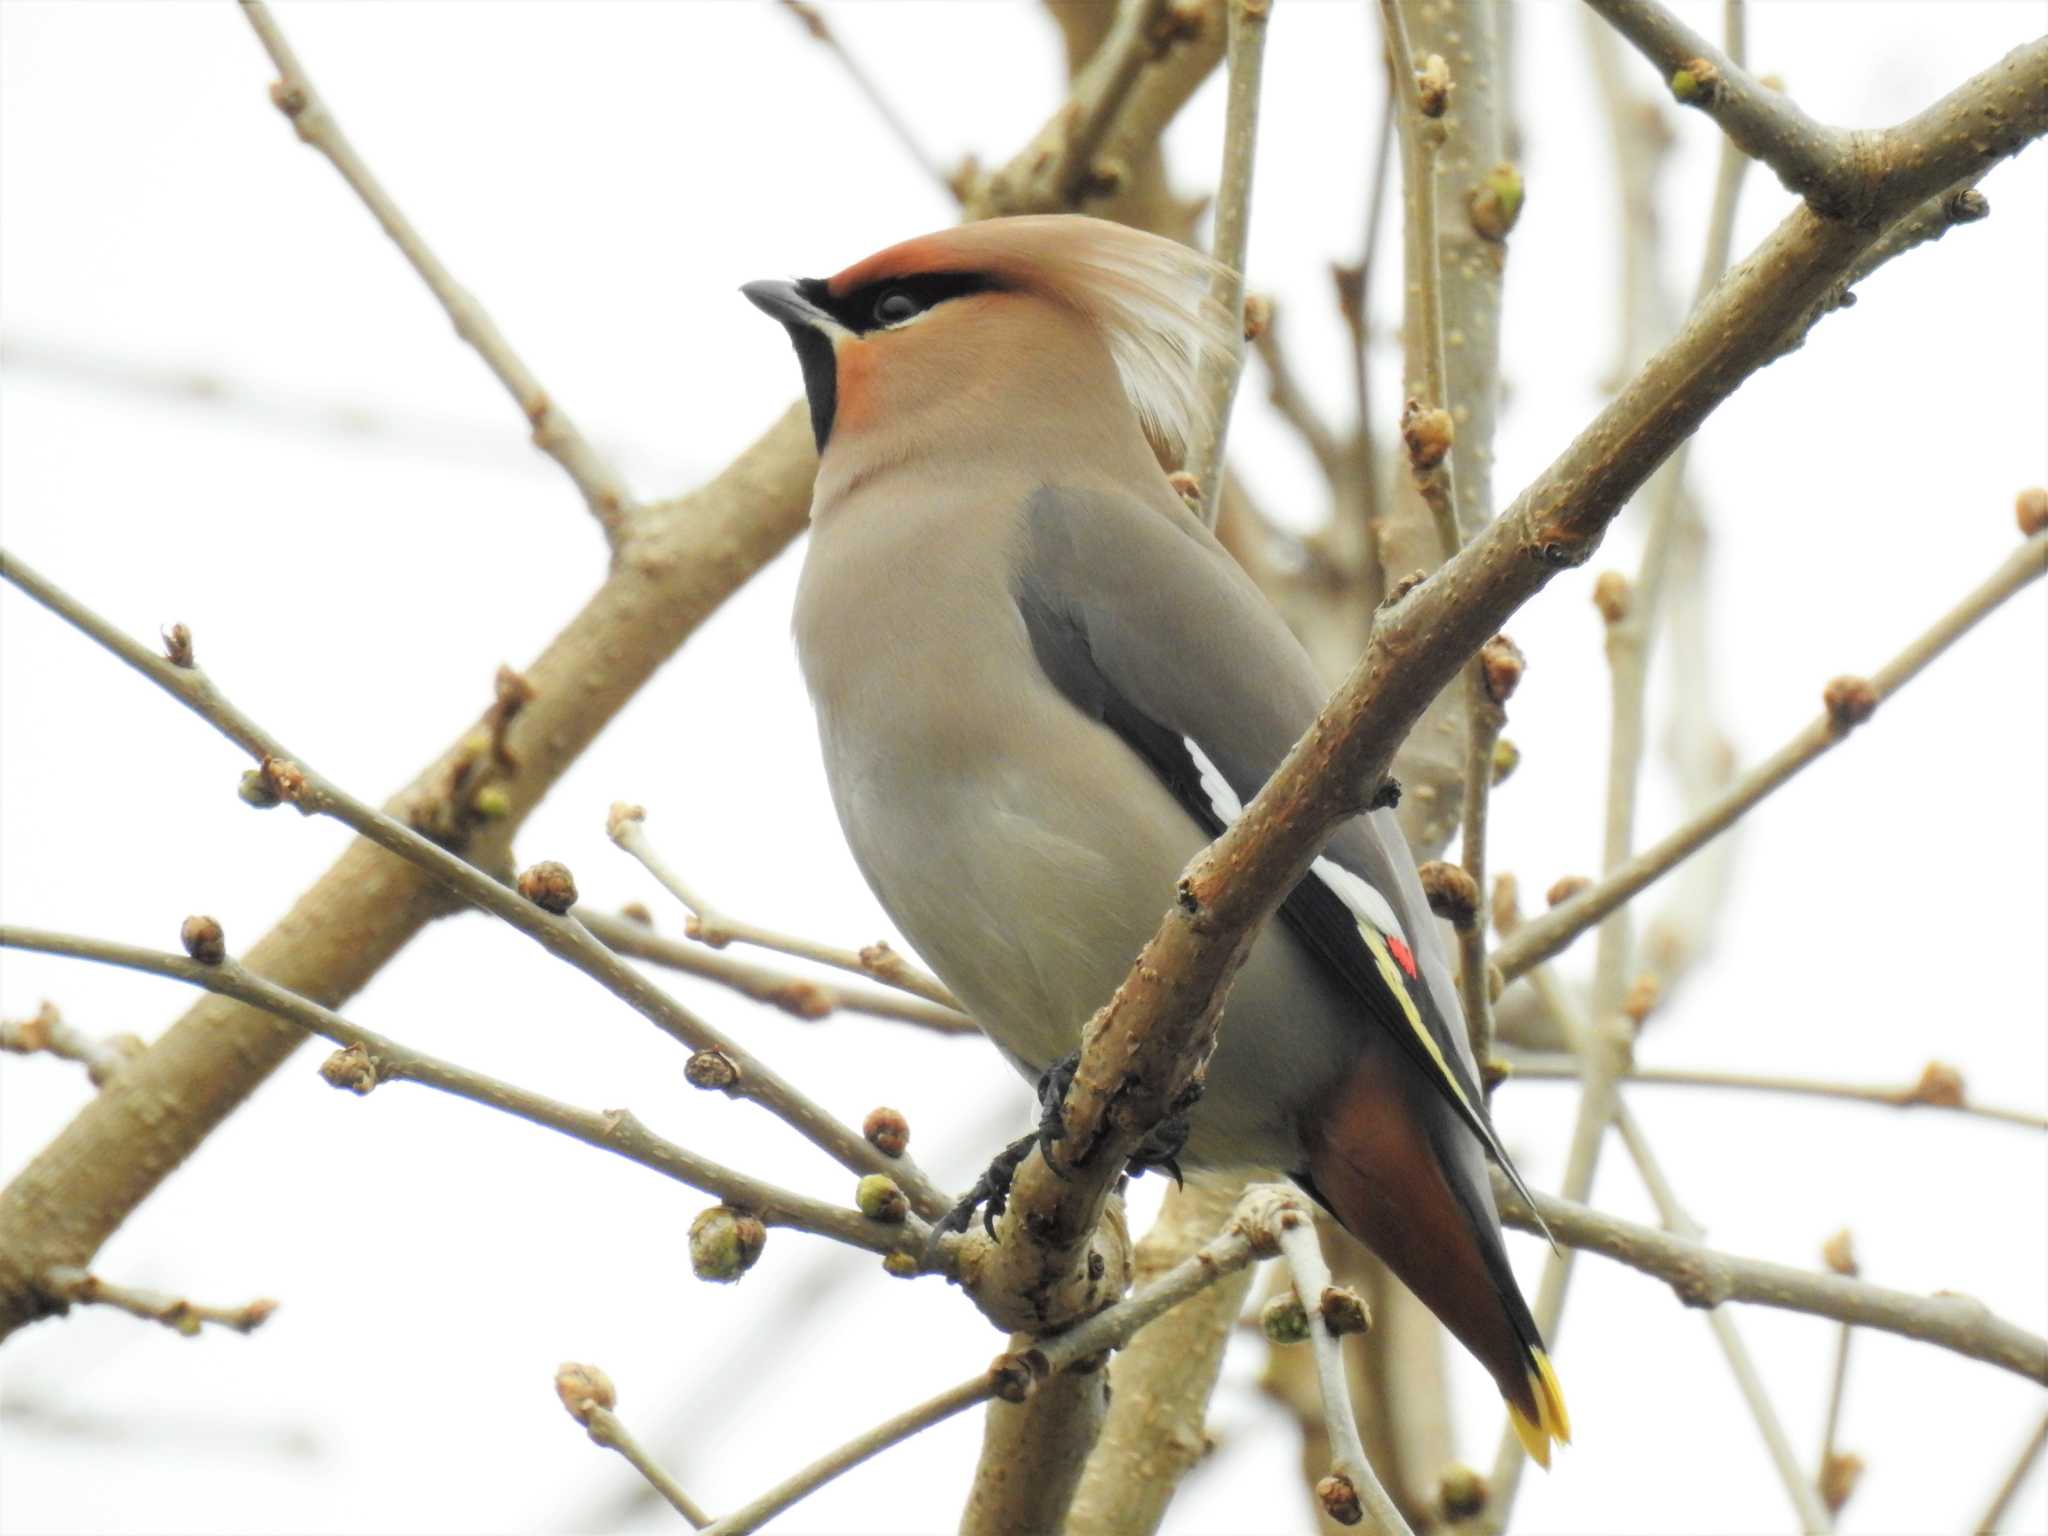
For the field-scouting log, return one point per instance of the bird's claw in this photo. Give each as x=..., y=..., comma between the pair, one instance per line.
x=1053, y=1084
x=991, y=1191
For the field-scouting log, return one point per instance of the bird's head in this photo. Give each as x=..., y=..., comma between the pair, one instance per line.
x=1003, y=325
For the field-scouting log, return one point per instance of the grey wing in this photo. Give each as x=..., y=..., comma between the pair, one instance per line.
x=1143, y=620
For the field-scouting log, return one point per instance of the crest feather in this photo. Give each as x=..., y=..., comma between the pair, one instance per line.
x=1153, y=300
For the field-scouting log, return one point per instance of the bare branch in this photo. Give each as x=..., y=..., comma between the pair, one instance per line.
x=1805, y=1505
x=1245, y=55
x=67, y=1286
x=368, y=1059
x=553, y=432
x=812, y=20
x=1703, y=1277
x=588, y=1394
x=1353, y=1488
x=1995, y=1512
x=1157, y=52
x=1542, y=937
x=47, y=1032
x=684, y=558
x=555, y=931
x=1161, y=1384
x=1923, y=226
x=714, y=928
x=1252, y=1233
x=1811, y=159
x=1937, y=1088
x=801, y=997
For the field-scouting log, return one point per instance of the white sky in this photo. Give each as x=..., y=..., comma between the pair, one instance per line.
x=603, y=178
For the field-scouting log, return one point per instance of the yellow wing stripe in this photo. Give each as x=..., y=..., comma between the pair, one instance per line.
x=1398, y=985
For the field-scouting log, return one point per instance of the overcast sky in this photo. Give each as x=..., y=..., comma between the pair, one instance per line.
x=351, y=521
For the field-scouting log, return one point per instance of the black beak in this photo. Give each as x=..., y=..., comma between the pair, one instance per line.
x=811, y=329
x=784, y=302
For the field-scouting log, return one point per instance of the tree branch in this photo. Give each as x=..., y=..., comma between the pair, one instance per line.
x=47, y=1032
x=553, y=432
x=2001, y=1501
x=801, y=997
x=1811, y=159
x=813, y=21
x=1156, y=53
x=682, y=559
x=714, y=928
x=1852, y=699
x=371, y=1059
x=550, y=926
x=1252, y=1233
x=1352, y=1489
x=1161, y=1384
x=1703, y=1277
x=1938, y=1087
x=1245, y=55
x=67, y=1286
x=588, y=1394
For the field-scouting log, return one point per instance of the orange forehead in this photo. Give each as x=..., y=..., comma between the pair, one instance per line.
x=927, y=253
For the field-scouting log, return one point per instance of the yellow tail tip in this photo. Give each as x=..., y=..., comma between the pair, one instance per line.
x=1552, y=1422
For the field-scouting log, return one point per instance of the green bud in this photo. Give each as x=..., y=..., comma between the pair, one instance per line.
x=724, y=1243
x=1284, y=1320
x=880, y=1200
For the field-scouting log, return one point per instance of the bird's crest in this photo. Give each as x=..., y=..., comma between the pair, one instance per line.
x=1153, y=300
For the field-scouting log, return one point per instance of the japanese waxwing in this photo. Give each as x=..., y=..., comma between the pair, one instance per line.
x=1043, y=687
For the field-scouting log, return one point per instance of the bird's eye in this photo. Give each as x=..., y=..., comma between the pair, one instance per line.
x=895, y=306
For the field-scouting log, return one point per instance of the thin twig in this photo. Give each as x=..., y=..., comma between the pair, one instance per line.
x=1421, y=136
x=1937, y=1088
x=1088, y=146
x=1924, y=225
x=812, y=20
x=2001, y=1503
x=47, y=1032
x=712, y=927
x=1806, y=1504
x=560, y=934
x=802, y=997
x=1543, y=937
x=378, y=1059
x=67, y=1286
x=1244, y=56
x=1812, y=159
x=1838, y=1389
x=1706, y=1277
x=1250, y=1233
x=553, y=432
x=1313, y=1285
x=606, y=1429
x=1291, y=402
x=891, y=1431
x=1605, y=1047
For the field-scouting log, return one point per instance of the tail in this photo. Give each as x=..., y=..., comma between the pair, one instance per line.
x=1421, y=1202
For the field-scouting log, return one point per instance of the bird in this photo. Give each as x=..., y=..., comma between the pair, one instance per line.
x=1042, y=687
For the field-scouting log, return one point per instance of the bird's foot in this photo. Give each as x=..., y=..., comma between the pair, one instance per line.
x=1053, y=1084
x=991, y=1191
x=1162, y=1145
x=1161, y=1148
